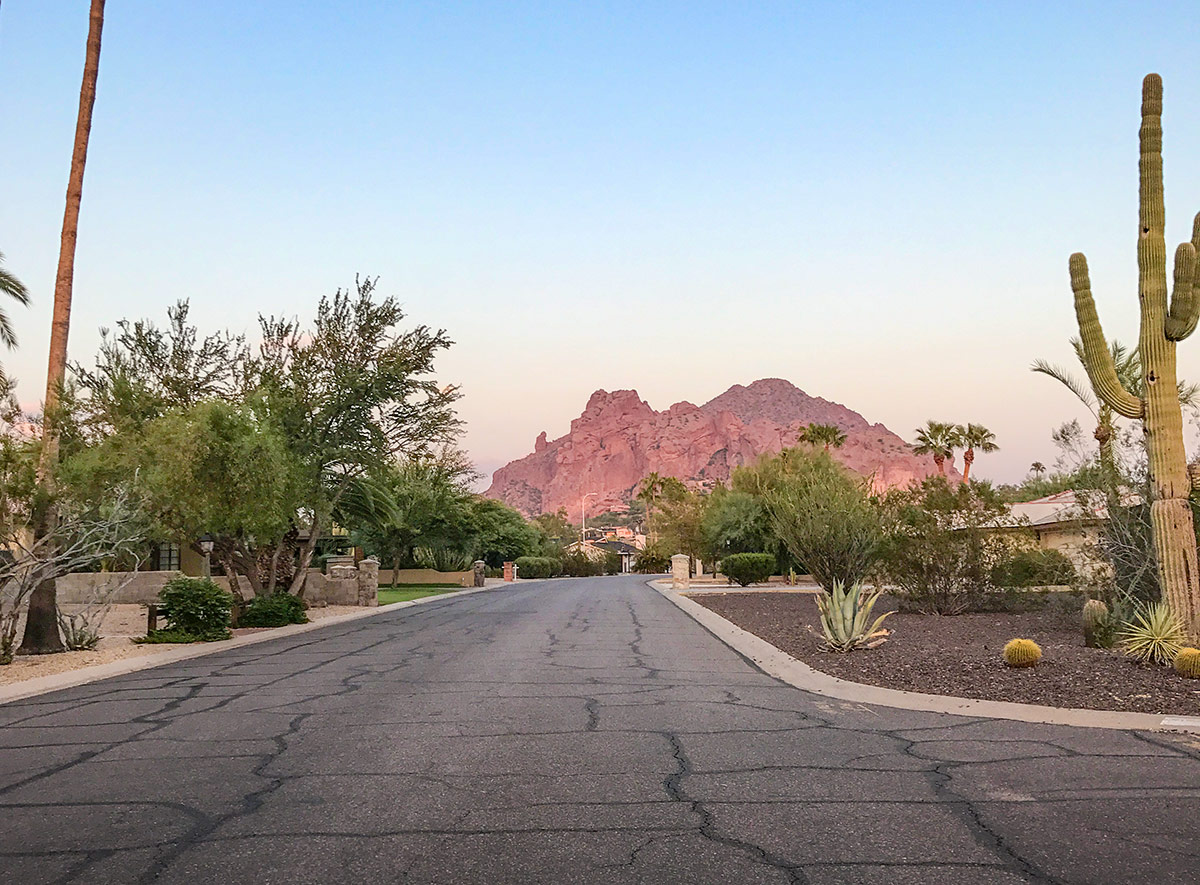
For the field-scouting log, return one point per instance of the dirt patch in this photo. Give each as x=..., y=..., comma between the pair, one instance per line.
x=960, y=656
x=118, y=629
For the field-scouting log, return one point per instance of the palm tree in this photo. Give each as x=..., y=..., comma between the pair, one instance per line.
x=41, y=626
x=15, y=289
x=974, y=436
x=823, y=435
x=1128, y=365
x=1037, y=468
x=939, y=439
x=648, y=492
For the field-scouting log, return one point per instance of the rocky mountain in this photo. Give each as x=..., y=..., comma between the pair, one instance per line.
x=619, y=439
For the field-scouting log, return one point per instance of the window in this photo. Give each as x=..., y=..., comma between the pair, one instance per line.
x=168, y=557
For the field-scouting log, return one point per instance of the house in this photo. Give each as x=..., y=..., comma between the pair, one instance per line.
x=1068, y=522
x=597, y=550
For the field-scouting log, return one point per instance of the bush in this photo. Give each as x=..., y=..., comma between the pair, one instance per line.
x=196, y=608
x=823, y=515
x=748, y=568
x=579, y=565
x=536, y=566
x=612, y=563
x=277, y=610
x=943, y=545
x=1034, y=568
x=654, y=560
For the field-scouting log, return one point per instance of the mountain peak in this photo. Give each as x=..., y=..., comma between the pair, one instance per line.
x=619, y=439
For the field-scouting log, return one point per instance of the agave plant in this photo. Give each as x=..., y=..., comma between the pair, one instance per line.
x=845, y=615
x=1153, y=635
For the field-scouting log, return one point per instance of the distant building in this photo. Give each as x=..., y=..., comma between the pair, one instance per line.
x=597, y=550
x=1068, y=522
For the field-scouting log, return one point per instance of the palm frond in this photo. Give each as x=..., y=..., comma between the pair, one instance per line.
x=1082, y=391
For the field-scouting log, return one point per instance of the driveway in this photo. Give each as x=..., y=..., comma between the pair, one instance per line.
x=564, y=731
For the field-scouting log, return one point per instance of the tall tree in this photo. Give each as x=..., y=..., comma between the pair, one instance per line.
x=972, y=437
x=1037, y=468
x=15, y=289
x=350, y=395
x=827, y=435
x=41, y=626
x=939, y=439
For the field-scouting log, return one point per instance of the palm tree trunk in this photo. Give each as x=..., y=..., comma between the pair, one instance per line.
x=41, y=627
x=968, y=460
x=940, y=461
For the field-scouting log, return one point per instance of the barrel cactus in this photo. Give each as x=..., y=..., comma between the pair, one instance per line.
x=1187, y=663
x=1155, y=402
x=1022, y=653
x=1096, y=626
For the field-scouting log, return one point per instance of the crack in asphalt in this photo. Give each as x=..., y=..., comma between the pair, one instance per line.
x=580, y=709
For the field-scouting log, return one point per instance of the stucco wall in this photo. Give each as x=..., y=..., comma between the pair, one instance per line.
x=425, y=576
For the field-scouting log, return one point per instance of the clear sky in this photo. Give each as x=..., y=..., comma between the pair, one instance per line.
x=875, y=201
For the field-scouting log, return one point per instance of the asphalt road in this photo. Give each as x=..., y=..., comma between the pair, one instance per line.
x=567, y=731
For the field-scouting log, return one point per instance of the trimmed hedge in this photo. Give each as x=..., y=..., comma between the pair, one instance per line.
x=536, y=566
x=748, y=568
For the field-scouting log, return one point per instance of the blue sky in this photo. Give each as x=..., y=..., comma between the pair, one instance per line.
x=875, y=201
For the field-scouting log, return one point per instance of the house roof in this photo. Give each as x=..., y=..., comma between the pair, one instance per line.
x=1067, y=506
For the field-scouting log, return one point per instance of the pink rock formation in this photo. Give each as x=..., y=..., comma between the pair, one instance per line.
x=619, y=439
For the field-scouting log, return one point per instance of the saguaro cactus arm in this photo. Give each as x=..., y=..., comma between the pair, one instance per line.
x=1185, y=298
x=1097, y=357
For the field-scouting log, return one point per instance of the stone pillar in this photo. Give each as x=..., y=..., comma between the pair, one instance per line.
x=510, y=571
x=368, y=582
x=480, y=572
x=680, y=579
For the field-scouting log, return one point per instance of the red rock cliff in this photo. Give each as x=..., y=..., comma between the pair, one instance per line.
x=619, y=439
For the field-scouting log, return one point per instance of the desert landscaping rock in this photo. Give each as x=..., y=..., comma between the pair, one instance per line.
x=960, y=656
x=564, y=731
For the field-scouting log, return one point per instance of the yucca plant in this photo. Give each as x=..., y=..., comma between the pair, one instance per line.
x=846, y=618
x=1153, y=635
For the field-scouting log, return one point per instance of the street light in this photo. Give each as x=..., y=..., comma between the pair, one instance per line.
x=206, y=547
x=583, y=519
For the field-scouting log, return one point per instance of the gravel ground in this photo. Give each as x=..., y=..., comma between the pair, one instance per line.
x=119, y=627
x=960, y=656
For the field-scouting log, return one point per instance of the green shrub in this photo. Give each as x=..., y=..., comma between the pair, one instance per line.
x=654, y=560
x=536, y=566
x=943, y=546
x=578, y=565
x=1034, y=568
x=276, y=610
x=612, y=563
x=195, y=607
x=748, y=568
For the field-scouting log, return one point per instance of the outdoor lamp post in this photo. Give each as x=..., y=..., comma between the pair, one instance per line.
x=206, y=547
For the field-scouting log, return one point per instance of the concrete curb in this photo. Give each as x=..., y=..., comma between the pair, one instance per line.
x=54, y=682
x=800, y=675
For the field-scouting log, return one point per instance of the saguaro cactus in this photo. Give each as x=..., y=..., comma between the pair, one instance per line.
x=1158, y=403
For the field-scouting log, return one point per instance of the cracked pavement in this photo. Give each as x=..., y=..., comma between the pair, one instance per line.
x=565, y=731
